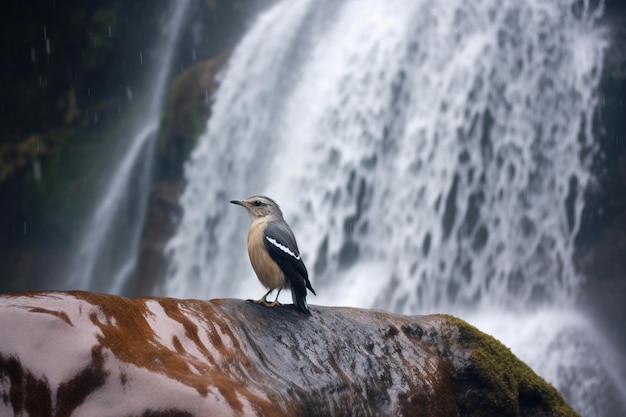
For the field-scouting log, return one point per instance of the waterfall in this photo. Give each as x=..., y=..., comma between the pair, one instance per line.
x=430, y=157
x=108, y=247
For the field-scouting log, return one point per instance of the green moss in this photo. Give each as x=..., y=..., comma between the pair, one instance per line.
x=16, y=155
x=505, y=382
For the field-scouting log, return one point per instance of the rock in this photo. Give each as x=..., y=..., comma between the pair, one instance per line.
x=88, y=354
x=162, y=217
x=185, y=116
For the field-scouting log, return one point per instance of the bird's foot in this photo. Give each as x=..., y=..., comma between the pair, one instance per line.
x=261, y=300
x=264, y=302
x=274, y=304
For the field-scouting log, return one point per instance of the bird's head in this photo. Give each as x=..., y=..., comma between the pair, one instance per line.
x=260, y=207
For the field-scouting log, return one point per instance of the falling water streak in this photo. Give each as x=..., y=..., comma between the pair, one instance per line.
x=125, y=268
x=258, y=71
x=101, y=238
x=429, y=157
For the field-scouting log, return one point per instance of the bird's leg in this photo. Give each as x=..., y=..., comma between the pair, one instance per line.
x=275, y=302
x=263, y=300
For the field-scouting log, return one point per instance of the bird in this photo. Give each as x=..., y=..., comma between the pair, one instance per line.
x=274, y=252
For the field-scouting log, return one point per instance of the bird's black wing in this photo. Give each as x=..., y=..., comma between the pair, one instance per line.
x=282, y=247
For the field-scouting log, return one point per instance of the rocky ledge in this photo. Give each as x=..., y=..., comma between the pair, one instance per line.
x=87, y=354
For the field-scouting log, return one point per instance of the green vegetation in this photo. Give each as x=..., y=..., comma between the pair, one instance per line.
x=504, y=381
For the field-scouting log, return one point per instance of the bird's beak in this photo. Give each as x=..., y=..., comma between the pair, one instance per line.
x=239, y=203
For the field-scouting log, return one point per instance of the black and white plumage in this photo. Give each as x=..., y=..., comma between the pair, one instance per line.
x=274, y=252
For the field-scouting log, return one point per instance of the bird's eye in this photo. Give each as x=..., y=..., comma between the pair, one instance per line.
x=257, y=203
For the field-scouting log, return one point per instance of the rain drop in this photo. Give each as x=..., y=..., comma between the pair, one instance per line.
x=45, y=36
x=36, y=171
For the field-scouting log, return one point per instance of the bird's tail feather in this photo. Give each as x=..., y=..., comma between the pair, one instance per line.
x=300, y=301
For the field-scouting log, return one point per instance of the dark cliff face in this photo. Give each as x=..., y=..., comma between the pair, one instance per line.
x=66, y=58
x=601, y=242
x=74, y=78
x=67, y=67
x=83, y=353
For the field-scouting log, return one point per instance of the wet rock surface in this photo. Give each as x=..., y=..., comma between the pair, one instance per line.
x=81, y=353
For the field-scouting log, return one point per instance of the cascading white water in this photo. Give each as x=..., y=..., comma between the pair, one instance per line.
x=108, y=248
x=430, y=157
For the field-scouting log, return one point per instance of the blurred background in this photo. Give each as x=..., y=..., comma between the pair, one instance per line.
x=455, y=157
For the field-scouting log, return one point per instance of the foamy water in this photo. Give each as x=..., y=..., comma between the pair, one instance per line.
x=429, y=157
